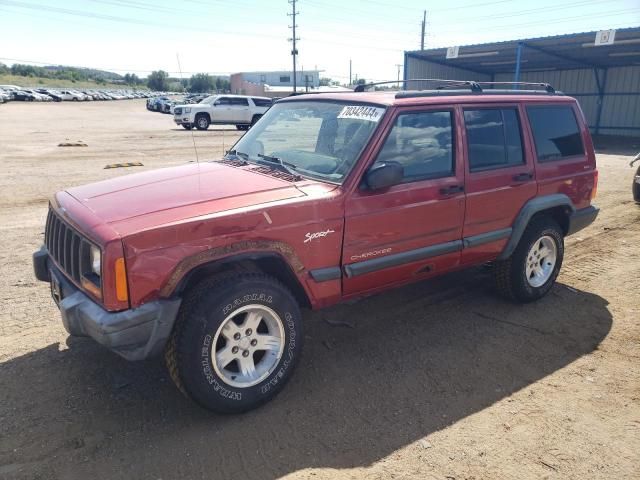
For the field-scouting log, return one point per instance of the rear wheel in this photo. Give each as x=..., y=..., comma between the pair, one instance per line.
x=242, y=127
x=236, y=342
x=255, y=119
x=530, y=272
x=202, y=121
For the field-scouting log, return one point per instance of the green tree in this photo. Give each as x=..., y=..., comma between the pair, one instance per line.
x=157, y=80
x=201, y=82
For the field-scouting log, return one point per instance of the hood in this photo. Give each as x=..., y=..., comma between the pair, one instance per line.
x=144, y=200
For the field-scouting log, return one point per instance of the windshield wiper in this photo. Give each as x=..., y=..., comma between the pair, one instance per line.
x=284, y=166
x=237, y=154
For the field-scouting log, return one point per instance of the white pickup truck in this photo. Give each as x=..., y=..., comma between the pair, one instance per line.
x=239, y=110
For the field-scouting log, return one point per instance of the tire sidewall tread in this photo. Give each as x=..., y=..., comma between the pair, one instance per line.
x=188, y=355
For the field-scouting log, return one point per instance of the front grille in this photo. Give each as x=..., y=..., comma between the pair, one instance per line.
x=67, y=247
x=177, y=111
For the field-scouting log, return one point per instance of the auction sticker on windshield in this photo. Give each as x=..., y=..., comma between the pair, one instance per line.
x=359, y=112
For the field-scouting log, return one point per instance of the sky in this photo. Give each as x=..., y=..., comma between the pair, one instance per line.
x=227, y=36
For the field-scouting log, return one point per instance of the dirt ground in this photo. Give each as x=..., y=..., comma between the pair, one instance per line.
x=441, y=379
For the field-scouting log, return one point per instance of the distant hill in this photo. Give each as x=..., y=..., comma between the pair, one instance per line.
x=88, y=72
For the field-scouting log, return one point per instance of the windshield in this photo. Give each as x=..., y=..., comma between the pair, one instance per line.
x=210, y=99
x=316, y=139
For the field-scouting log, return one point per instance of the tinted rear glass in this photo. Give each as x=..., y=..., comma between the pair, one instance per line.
x=555, y=132
x=493, y=138
x=262, y=102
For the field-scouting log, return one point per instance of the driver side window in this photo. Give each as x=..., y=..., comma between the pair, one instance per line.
x=422, y=143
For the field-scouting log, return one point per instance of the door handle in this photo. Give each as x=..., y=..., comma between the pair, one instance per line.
x=452, y=189
x=523, y=177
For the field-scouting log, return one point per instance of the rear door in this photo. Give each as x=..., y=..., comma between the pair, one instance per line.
x=413, y=229
x=240, y=110
x=500, y=177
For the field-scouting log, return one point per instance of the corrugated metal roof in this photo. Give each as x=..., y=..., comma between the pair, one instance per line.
x=569, y=51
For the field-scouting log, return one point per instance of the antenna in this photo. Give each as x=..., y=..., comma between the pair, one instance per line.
x=193, y=138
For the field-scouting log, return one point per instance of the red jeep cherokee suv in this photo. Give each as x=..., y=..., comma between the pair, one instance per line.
x=327, y=197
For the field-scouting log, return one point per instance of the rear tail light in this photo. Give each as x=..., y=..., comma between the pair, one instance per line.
x=595, y=185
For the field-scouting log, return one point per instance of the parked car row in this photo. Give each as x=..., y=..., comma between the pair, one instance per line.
x=16, y=93
x=164, y=104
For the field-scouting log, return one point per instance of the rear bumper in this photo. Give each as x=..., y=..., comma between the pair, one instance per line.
x=582, y=218
x=135, y=334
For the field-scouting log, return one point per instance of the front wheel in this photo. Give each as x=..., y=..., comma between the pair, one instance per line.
x=202, y=122
x=530, y=272
x=236, y=342
x=635, y=189
x=187, y=126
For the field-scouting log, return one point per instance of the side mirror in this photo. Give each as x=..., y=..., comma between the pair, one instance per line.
x=383, y=175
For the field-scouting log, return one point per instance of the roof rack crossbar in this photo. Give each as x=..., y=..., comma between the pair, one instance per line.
x=473, y=86
x=548, y=88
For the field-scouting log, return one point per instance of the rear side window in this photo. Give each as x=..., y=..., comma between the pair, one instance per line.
x=493, y=138
x=239, y=101
x=423, y=144
x=223, y=101
x=555, y=132
x=261, y=102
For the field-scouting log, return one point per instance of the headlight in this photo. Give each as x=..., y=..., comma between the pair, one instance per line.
x=187, y=110
x=95, y=258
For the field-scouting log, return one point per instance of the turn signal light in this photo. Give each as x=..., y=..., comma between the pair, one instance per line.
x=122, y=293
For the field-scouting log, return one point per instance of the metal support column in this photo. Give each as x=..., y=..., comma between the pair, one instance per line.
x=602, y=85
x=518, y=58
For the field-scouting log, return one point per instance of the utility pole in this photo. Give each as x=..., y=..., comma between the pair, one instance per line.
x=294, y=50
x=350, y=72
x=424, y=24
x=398, y=65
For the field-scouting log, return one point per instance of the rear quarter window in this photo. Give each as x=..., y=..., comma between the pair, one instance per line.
x=555, y=132
x=262, y=102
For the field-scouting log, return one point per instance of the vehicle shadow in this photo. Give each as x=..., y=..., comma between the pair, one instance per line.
x=376, y=375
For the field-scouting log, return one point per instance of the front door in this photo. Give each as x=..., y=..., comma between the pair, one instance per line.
x=413, y=229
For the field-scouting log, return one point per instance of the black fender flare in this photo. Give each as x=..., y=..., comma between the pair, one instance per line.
x=532, y=207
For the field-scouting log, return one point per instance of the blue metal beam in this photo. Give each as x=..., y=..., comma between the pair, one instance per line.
x=518, y=58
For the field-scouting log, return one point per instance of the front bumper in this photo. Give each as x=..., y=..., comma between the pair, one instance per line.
x=135, y=334
x=582, y=218
x=182, y=120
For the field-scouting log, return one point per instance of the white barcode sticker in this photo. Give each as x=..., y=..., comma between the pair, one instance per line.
x=360, y=112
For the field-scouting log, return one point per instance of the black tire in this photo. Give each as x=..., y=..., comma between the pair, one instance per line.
x=202, y=121
x=510, y=274
x=242, y=127
x=635, y=188
x=187, y=126
x=189, y=352
x=255, y=119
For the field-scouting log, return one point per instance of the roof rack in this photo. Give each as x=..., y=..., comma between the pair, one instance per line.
x=547, y=88
x=475, y=87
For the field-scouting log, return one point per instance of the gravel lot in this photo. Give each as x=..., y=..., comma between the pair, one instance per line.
x=436, y=380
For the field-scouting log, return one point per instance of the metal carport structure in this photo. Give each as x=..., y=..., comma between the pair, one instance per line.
x=605, y=78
